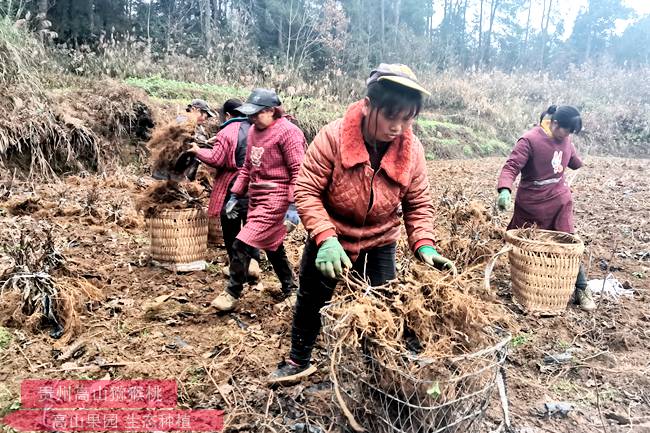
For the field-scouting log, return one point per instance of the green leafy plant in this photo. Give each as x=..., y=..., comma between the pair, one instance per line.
x=521, y=339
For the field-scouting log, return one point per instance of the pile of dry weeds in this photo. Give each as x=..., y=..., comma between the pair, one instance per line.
x=171, y=195
x=471, y=233
x=109, y=108
x=45, y=133
x=54, y=133
x=39, y=291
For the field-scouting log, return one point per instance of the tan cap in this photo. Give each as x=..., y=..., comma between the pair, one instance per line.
x=397, y=73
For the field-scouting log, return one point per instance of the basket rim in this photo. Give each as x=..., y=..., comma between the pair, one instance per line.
x=164, y=213
x=511, y=235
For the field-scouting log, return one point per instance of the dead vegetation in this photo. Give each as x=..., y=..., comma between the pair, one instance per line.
x=24, y=207
x=473, y=235
x=439, y=308
x=168, y=143
x=45, y=135
x=111, y=109
x=38, y=291
x=44, y=132
x=166, y=146
x=423, y=350
x=170, y=195
x=420, y=350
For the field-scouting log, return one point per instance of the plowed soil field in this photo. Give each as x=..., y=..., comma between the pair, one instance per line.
x=151, y=323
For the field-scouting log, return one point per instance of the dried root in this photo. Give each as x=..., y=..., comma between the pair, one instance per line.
x=419, y=351
x=171, y=195
x=472, y=234
x=167, y=144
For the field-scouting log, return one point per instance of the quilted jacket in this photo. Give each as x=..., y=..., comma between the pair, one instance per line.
x=338, y=192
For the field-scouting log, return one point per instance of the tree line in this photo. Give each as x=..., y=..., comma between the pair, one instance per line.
x=348, y=36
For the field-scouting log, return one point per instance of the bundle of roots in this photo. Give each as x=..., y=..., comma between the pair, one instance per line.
x=39, y=291
x=419, y=343
x=168, y=143
x=430, y=312
x=171, y=195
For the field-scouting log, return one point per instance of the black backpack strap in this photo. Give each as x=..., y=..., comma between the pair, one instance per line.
x=242, y=141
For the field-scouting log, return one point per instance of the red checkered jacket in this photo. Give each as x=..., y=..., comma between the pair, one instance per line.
x=221, y=157
x=274, y=155
x=273, y=160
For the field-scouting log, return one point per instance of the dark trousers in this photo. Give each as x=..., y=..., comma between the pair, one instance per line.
x=376, y=265
x=241, y=258
x=581, y=281
x=231, y=227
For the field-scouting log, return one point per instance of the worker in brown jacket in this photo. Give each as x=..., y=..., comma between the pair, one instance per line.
x=356, y=174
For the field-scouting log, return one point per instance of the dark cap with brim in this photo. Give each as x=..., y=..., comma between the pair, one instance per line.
x=258, y=100
x=202, y=105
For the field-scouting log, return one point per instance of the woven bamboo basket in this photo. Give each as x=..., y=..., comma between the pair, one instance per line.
x=215, y=233
x=179, y=237
x=544, y=269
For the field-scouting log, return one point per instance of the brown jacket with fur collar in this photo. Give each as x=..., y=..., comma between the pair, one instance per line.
x=334, y=188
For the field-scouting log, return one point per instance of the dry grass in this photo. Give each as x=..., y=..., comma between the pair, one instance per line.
x=171, y=195
x=613, y=102
x=20, y=54
x=48, y=132
x=38, y=290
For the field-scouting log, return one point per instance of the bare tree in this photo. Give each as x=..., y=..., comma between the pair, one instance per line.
x=205, y=7
x=398, y=13
x=546, y=19
x=383, y=27
x=494, y=6
x=479, y=57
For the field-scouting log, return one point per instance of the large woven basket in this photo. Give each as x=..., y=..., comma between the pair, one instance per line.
x=179, y=236
x=543, y=269
x=215, y=233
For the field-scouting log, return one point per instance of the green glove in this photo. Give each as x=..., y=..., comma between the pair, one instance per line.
x=431, y=257
x=331, y=258
x=504, y=199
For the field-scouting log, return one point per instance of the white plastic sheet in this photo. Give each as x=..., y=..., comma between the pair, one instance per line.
x=610, y=288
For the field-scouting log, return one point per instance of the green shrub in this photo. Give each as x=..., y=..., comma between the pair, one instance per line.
x=5, y=338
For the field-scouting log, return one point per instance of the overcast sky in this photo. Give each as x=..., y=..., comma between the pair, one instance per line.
x=569, y=11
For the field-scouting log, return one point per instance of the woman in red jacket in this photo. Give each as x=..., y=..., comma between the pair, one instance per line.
x=276, y=148
x=357, y=173
x=227, y=156
x=544, y=199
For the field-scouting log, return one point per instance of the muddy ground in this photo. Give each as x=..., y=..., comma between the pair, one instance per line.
x=222, y=361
